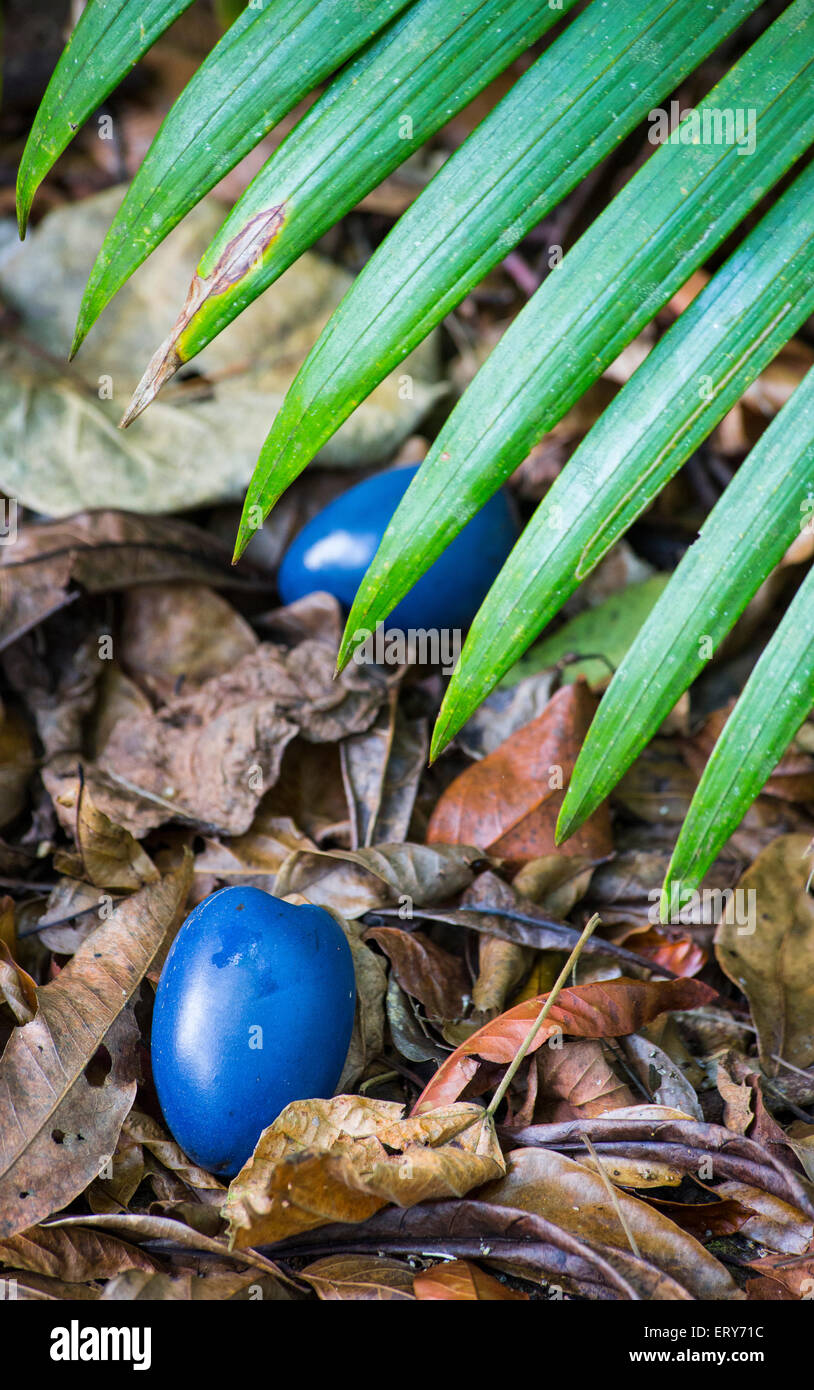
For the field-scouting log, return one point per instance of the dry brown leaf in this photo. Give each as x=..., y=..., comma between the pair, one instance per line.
x=771, y=1221
x=145, y=1226
x=8, y=925
x=344, y=1159
x=71, y=914
x=359, y=881
x=17, y=989
x=16, y=760
x=576, y=1079
x=556, y=882
x=501, y=966
x=774, y=963
x=360, y=1277
x=111, y=857
x=174, y=634
x=310, y=791
x=781, y=1279
x=661, y=1077
x=214, y=753
x=367, y=1038
x=143, y=1130
x=576, y=1198
x=381, y=770
x=460, y=1281
x=101, y=551
x=608, y=1009
x=437, y=979
x=136, y=1285
x=60, y=1109
x=800, y=1139
x=256, y=857
x=508, y=802
x=737, y=1098
x=73, y=1255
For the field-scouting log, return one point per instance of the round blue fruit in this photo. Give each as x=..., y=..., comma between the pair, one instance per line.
x=334, y=549
x=254, y=1009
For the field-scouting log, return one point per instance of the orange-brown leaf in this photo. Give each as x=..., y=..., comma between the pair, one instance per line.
x=508, y=802
x=460, y=1281
x=608, y=1009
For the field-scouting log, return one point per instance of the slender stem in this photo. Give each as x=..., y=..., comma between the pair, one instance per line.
x=613, y=1194
x=551, y=999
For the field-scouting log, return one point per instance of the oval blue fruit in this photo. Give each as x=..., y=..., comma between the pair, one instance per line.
x=333, y=551
x=254, y=1009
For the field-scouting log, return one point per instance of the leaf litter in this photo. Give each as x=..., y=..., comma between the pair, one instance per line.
x=167, y=729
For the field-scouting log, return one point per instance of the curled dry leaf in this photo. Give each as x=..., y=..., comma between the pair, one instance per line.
x=570, y=1194
x=770, y=1221
x=361, y=1278
x=609, y=1009
x=460, y=1281
x=367, y=1038
x=75, y=1255
x=508, y=802
x=344, y=1159
x=101, y=551
x=213, y=753
x=143, y=1130
x=773, y=963
x=437, y=979
x=737, y=1096
x=58, y=1099
x=256, y=857
x=143, y=1226
x=71, y=914
x=111, y=857
x=410, y=1035
x=524, y=1243
x=660, y=1076
x=556, y=882
x=17, y=989
x=655, y=1132
x=502, y=965
x=381, y=769
x=359, y=881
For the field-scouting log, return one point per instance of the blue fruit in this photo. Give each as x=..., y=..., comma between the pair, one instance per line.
x=335, y=548
x=254, y=1009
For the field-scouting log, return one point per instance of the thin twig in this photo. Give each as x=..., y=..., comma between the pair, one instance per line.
x=541, y=1017
x=613, y=1194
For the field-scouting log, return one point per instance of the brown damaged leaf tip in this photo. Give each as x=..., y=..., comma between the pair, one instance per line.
x=239, y=257
x=163, y=364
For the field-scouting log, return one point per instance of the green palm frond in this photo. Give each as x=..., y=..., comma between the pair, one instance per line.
x=395, y=71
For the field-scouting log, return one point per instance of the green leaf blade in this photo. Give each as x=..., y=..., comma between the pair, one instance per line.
x=108, y=41
x=773, y=704
x=763, y=507
x=558, y=121
x=688, y=382
x=662, y=226
x=267, y=60
x=429, y=63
